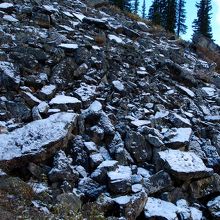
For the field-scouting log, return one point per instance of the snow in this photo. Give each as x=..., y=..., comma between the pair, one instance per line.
x=183, y=162
x=91, y=146
x=115, y=38
x=38, y=187
x=96, y=106
x=43, y=107
x=116, y=176
x=50, y=8
x=180, y=135
x=161, y=114
x=35, y=136
x=139, y=123
x=86, y=92
x=48, y=90
x=6, y=5
x=79, y=16
x=67, y=28
x=159, y=208
x=69, y=46
x=32, y=97
x=187, y=91
x=10, y=18
x=68, y=14
x=108, y=163
x=118, y=85
x=136, y=188
x=143, y=172
x=210, y=92
x=122, y=200
x=63, y=99
x=9, y=70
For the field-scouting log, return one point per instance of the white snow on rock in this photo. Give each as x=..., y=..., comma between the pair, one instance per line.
x=209, y=91
x=6, y=5
x=214, y=207
x=10, y=18
x=69, y=46
x=50, y=8
x=158, y=208
x=187, y=91
x=183, y=164
x=79, y=16
x=68, y=14
x=85, y=92
x=118, y=85
x=48, y=90
x=36, y=138
x=161, y=114
x=122, y=200
x=139, y=123
x=178, y=136
x=63, y=99
x=9, y=71
x=115, y=38
x=43, y=107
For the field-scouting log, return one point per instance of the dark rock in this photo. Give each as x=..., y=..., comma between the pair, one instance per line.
x=63, y=170
x=137, y=146
x=90, y=189
x=205, y=187
x=97, y=22
x=158, y=182
x=9, y=77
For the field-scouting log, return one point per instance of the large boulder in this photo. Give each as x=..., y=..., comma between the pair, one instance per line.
x=36, y=141
x=183, y=165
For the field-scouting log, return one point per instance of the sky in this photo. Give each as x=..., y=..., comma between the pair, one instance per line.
x=191, y=14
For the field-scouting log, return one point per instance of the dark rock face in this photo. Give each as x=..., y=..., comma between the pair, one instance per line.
x=96, y=110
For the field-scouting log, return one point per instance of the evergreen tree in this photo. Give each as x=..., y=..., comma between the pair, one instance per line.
x=181, y=17
x=136, y=6
x=144, y=9
x=156, y=12
x=202, y=25
x=123, y=4
x=170, y=16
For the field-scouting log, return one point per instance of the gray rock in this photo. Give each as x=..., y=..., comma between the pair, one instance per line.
x=131, y=206
x=36, y=141
x=138, y=148
x=159, y=209
x=9, y=77
x=47, y=92
x=205, y=187
x=90, y=189
x=70, y=201
x=214, y=207
x=63, y=170
x=157, y=183
x=183, y=165
x=119, y=182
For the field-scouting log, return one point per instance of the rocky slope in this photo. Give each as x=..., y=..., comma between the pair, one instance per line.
x=103, y=117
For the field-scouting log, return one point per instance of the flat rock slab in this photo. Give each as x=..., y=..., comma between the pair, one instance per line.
x=36, y=141
x=159, y=209
x=183, y=165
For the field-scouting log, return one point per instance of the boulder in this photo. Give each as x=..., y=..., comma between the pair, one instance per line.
x=214, y=207
x=183, y=165
x=36, y=141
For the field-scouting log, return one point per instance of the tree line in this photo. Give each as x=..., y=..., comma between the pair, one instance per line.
x=171, y=14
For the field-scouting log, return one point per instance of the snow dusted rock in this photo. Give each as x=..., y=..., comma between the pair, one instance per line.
x=6, y=7
x=136, y=145
x=62, y=169
x=118, y=86
x=183, y=165
x=85, y=93
x=36, y=141
x=47, y=92
x=90, y=189
x=131, y=206
x=179, y=121
x=65, y=102
x=115, y=38
x=9, y=78
x=30, y=99
x=209, y=92
x=177, y=137
x=97, y=22
x=156, y=208
x=214, y=207
x=119, y=181
x=158, y=182
x=43, y=108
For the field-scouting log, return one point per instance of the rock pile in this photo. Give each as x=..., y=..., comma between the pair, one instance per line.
x=96, y=107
